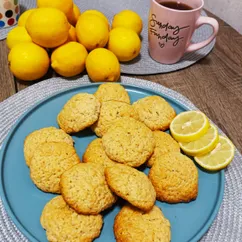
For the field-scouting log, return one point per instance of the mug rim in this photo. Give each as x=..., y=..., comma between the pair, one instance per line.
x=182, y=11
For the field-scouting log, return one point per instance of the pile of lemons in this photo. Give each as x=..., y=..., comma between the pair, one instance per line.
x=57, y=34
x=199, y=138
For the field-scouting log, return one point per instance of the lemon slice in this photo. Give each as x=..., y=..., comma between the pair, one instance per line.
x=202, y=145
x=219, y=157
x=189, y=126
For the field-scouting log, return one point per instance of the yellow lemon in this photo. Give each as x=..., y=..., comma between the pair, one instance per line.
x=71, y=35
x=48, y=27
x=128, y=19
x=124, y=43
x=75, y=14
x=98, y=13
x=189, y=126
x=24, y=16
x=220, y=157
x=28, y=61
x=102, y=65
x=16, y=36
x=203, y=145
x=65, y=6
x=69, y=59
x=92, y=31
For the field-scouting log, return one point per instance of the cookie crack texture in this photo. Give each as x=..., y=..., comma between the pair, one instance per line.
x=112, y=91
x=164, y=143
x=109, y=113
x=63, y=224
x=85, y=189
x=175, y=178
x=44, y=135
x=129, y=141
x=80, y=112
x=131, y=185
x=155, y=112
x=132, y=224
x=49, y=161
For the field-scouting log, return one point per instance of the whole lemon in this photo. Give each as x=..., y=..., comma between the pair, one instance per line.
x=73, y=17
x=17, y=35
x=102, y=66
x=48, y=27
x=66, y=6
x=69, y=59
x=92, y=31
x=98, y=13
x=24, y=16
x=124, y=43
x=71, y=35
x=28, y=61
x=128, y=19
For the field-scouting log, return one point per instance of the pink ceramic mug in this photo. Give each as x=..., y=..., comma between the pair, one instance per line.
x=170, y=30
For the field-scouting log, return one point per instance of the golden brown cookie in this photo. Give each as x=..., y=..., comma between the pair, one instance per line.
x=48, y=163
x=85, y=189
x=80, y=112
x=44, y=135
x=132, y=224
x=63, y=224
x=155, y=112
x=111, y=111
x=175, y=178
x=164, y=143
x=96, y=154
x=112, y=91
x=131, y=185
x=129, y=141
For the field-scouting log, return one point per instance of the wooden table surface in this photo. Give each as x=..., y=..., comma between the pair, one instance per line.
x=214, y=84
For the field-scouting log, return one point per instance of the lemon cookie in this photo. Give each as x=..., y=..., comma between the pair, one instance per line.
x=49, y=161
x=109, y=112
x=175, y=178
x=132, y=224
x=96, y=154
x=164, y=143
x=63, y=224
x=155, y=112
x=131, y=185
x=80, y=112
x=85, y=189
x=112, y=91
x=129, y=141
x=44, y=135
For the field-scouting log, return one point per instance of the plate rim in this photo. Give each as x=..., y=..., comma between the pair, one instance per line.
x=24, y=115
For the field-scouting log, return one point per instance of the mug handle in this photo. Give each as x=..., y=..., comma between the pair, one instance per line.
x=204, y=20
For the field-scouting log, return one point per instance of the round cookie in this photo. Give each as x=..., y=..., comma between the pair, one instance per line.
x=155, y=112
x=175, y=178
x=96, y=154
x=63, y=224
x=112, y=91
x=44, y=135
x=85, y=189
x=48, y=163
x=132, y=224
x=164, y=143
x=131, y=185
x=111, y=111
x=80, y=112
x=129, y=141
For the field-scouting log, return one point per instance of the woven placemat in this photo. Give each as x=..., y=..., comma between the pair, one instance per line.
x=228, y=225
x=143, y=64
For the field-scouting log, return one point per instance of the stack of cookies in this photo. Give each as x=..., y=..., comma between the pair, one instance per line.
x=130, y=137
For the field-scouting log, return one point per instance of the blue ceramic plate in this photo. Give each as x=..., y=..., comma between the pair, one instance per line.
x=24, y=202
